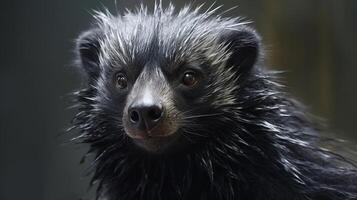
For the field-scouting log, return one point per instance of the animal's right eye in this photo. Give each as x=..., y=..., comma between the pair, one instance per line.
x=121, y=81
x=189, y=78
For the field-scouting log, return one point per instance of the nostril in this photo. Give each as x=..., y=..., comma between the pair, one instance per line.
x=155, y=113
x=134, y=116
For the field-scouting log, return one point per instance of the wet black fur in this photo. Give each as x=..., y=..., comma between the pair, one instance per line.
x=262, y=146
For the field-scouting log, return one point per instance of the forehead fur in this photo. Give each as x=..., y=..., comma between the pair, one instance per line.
x=169, y=33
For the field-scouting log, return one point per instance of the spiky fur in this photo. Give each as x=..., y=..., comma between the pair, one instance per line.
x=252, y=140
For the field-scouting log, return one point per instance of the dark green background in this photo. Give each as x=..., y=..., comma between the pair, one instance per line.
x=312, y=40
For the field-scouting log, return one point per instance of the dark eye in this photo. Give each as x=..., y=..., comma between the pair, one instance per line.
x=189, y=78
x=121, y=81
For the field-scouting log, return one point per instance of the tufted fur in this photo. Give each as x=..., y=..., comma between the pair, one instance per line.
x=245, y=138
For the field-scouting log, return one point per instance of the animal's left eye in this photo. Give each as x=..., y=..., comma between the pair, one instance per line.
x=189, y=78
x=121, y=81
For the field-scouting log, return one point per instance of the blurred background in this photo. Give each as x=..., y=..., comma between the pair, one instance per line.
x=313, y=41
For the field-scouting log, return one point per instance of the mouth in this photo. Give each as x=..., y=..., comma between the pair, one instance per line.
x=158, y=139
x=156, y=144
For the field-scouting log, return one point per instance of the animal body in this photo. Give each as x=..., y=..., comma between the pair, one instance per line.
x=178, y=105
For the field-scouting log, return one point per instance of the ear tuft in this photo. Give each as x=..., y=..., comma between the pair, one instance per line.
x=244, y=45
x=87, y=48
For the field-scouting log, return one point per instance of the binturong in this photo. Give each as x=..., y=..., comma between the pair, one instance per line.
x=178, y=105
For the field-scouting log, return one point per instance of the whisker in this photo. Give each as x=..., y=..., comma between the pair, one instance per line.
x=203, y=115
x=185, y=130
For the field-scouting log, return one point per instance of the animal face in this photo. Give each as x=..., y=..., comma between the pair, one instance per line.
x=163, y=81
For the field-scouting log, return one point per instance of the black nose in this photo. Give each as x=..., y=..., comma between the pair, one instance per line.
x=145, y=117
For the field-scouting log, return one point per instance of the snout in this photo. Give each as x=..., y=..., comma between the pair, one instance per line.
x=143, y=117
x=150, y=116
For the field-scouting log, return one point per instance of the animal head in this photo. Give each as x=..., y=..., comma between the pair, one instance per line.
x=163, y=80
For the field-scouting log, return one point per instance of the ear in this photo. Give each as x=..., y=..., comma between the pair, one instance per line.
x=87, y=48
x=244, y=46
